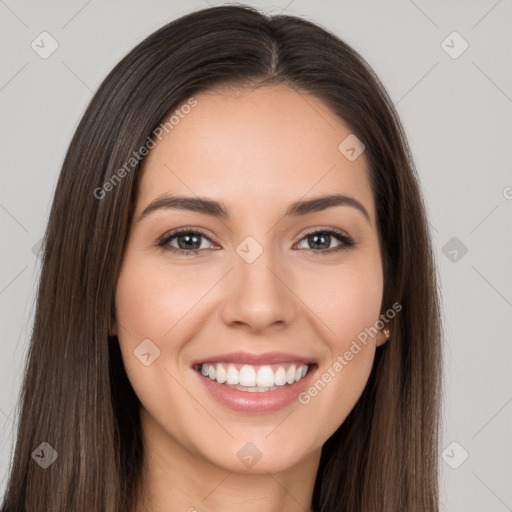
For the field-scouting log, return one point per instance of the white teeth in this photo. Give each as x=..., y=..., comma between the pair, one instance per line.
x=250, y=378
x=255, y=389
x=290, y=374
x=232, y=375
x=280, y=377
x=265, y=377
x=221, y=376
x=247, y=376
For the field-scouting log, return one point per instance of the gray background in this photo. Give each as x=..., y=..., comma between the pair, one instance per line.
x=457, y=115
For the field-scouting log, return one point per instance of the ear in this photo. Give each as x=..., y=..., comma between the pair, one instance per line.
x=383, y=336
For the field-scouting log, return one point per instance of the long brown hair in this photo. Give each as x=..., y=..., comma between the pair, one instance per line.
x=76, y=395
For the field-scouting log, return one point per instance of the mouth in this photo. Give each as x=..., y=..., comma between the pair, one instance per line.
x=255, y=384
x=254, y=378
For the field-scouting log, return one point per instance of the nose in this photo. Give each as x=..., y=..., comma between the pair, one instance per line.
x=259, y=295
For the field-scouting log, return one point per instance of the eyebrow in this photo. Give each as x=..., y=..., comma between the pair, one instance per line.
x=218, y=209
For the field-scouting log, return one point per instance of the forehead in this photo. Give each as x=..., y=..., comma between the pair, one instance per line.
x=253, y=147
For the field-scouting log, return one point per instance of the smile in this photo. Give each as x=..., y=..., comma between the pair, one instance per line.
x=255, y=384
x=255, y=378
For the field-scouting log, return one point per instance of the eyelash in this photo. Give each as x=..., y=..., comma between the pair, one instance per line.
x=346, y=241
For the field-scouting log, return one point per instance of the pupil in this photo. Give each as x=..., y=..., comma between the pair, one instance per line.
x=314, y=238
x=190, y=239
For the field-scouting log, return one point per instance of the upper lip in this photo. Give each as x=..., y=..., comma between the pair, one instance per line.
x=255, y=359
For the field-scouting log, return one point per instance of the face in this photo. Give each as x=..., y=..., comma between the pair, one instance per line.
x=255, y=296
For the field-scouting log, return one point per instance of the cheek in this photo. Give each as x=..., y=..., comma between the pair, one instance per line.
x=149, y=303
x=349, y=304
x=151, y=300
x=347, y=299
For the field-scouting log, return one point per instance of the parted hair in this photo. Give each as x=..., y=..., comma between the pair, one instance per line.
x=75, y=393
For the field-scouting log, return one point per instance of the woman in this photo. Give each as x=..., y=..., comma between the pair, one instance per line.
x=238, y=303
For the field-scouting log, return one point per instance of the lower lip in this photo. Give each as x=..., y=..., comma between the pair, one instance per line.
x=256, y=402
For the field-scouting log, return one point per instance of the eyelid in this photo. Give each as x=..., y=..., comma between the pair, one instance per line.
x=164, y=239
x=320, y=229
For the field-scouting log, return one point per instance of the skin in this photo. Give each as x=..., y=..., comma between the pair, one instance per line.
x=247, y=148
